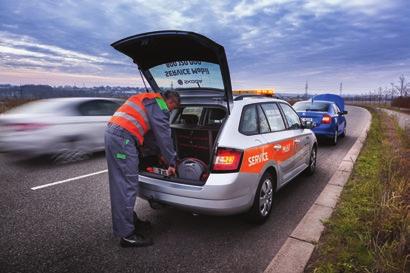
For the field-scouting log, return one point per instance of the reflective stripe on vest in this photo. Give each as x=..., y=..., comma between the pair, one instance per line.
x=140, y=111
x=133, y=117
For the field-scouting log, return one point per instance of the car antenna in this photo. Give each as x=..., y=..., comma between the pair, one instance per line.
x=142, y=77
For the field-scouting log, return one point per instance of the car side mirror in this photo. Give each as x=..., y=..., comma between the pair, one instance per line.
x=307, y=124
x=342, y=113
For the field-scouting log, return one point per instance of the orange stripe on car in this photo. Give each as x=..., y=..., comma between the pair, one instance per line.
x=254, y=159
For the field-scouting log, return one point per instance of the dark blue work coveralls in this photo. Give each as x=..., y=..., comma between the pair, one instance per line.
x=122, y=153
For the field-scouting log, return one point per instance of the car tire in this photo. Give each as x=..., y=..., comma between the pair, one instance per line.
x=344, y=132
x=262, y=204
x=334, y=139
x=312, y=162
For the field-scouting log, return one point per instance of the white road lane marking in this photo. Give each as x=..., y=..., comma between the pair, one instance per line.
x=67, y=180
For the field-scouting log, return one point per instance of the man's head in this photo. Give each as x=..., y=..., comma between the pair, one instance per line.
x=172, y=99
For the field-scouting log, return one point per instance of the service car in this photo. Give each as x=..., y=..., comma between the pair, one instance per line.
x=327, y=113
x=234, y=153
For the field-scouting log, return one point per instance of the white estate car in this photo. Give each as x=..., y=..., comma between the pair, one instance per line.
x=67, y=128
x=233, y=153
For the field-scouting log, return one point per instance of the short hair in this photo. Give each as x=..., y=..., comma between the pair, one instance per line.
x=169, y=94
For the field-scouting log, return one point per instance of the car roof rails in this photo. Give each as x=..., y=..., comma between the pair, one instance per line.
x=241, y=97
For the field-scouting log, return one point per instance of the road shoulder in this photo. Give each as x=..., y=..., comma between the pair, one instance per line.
x=402, y=118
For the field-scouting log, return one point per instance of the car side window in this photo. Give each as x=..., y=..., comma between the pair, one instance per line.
x=274, y=117
x=337, y=110
x=263, y=122
x=249, y=124
x=291, y=117
x=98, y=108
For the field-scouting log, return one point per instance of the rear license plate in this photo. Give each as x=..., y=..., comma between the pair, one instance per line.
x=307, y=119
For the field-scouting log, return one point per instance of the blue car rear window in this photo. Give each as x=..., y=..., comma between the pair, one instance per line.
x=311, y=106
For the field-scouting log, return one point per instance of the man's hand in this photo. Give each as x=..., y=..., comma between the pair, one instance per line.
x=171, y=171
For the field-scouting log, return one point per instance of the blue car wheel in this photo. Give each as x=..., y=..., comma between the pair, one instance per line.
x=344, y=132
x=334, y=138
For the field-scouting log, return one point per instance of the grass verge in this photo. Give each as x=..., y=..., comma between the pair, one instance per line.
x=369, y=230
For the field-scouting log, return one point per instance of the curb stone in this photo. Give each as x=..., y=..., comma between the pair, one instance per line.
x=295, y=253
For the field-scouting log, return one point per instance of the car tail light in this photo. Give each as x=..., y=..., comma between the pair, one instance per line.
x=26, y=126
x=326, y=119
x=227, y=160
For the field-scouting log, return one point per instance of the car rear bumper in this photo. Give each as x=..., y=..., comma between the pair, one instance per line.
x=324, y=130
x=223, y=194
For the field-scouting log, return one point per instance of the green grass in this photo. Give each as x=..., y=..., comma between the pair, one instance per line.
x=369, y=230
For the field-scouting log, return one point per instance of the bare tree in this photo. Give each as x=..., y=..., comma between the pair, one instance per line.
x=386, y=93
x=403, y=86
x=380, y=94
x=392, y=90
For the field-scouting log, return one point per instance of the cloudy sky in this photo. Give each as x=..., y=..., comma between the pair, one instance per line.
x=269, y=43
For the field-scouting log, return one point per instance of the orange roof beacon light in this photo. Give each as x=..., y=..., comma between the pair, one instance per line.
x=263, y=92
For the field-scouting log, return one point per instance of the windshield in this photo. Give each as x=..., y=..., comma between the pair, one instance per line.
x=311, y=106
x=188, y=75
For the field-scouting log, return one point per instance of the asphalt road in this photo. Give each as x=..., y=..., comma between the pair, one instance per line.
x=67, y=227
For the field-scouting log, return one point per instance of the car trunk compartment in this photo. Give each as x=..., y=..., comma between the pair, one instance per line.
x=197, y=143
x=194, y=131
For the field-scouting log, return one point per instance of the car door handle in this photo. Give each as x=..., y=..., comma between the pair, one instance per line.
x=277, y=147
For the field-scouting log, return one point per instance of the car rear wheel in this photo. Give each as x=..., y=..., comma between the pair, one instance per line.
x=334, y=139
x=344, y=132
x=312, y=162
x=262, y=204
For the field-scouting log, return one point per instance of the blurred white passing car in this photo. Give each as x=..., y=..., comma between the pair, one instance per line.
x=66, y=128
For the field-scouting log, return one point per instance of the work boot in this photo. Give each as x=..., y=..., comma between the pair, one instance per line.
x=135, y=240
x=141, y=225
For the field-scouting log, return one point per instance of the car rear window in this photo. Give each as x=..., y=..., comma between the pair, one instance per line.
x=188, y=74
x=311, y=106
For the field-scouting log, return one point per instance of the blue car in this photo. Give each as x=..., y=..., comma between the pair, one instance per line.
x=327, y=112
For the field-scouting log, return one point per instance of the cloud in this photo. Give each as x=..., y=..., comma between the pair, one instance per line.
x=268, y=42
x=34, y=76
x=19, y=51
x=367, y=7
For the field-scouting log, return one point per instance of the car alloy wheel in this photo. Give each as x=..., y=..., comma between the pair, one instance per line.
x=312, y=162
x=313, y=156
x=265, y=197
x=263, y=201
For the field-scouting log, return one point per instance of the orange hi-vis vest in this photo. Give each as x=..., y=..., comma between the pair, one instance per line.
x=133, y=117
